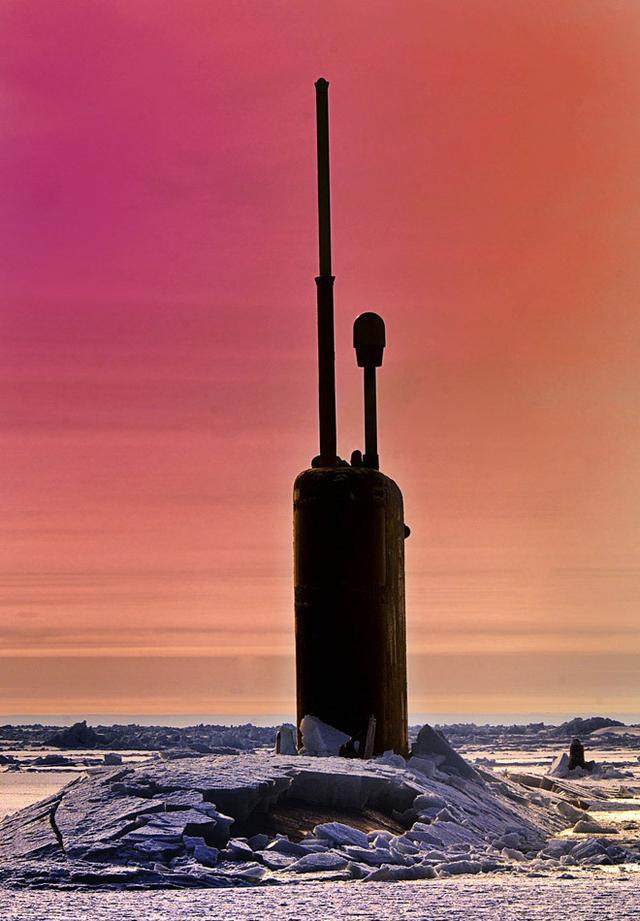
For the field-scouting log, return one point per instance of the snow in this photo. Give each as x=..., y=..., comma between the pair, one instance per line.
x=560, y=766
x=315, y=863
x=320, y=739
x=286, y=740
x=339, y=833
x=171, y=823
x=458, y=898
x=587, y=826
x=204, y=822
x=432, y=747
x=389, y=873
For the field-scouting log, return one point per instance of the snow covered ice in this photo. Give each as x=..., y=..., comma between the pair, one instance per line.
x=251, y=819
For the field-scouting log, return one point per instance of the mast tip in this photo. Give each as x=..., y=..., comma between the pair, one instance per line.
x=321, y=83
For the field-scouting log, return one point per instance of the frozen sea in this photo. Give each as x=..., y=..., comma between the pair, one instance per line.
x=605, y=894
x=605, y=898
x=21, y=789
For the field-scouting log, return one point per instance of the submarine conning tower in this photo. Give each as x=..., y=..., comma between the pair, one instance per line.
x=349, y=534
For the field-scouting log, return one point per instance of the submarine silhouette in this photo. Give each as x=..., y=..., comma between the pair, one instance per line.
x=349, y=535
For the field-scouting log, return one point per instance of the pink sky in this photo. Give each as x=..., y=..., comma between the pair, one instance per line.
x=158, y=342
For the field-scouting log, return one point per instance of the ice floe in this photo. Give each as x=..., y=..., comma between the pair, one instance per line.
x=258, y=817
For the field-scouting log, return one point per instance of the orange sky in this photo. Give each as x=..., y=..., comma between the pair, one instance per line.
x=158, y=345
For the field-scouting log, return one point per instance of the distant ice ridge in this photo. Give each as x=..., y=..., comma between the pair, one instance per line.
x=597, y=731
x=218, y=820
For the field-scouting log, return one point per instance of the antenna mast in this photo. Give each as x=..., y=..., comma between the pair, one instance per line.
x=324, y=283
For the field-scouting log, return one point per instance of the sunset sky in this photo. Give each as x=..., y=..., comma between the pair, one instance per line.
x=157, y=342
